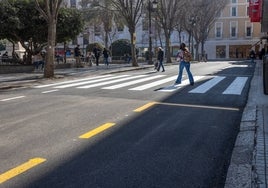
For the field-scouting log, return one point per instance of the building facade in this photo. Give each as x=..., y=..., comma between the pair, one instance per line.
x=233, y=35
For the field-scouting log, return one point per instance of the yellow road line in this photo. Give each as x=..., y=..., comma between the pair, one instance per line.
x=97, y=130
x=146, y=106
x=200, y=106
x=150, y=104
x=20, y=169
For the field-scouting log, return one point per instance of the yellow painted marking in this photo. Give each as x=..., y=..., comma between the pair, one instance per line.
x=146, y=106
x=20, y=169
x=97, y=130
x=201, y=106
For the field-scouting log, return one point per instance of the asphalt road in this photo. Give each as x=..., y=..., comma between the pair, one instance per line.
x=182, y=138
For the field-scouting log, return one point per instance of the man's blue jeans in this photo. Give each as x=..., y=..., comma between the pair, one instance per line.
x=106, y=62
x=187, y=67
x=160, y=65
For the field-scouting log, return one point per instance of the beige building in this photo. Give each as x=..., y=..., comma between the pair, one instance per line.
x=233, y=35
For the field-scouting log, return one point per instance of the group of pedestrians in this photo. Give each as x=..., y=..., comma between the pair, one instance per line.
x=183, y=56
x=96, y=55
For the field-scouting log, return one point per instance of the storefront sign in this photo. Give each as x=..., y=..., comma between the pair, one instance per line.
x=255, y=10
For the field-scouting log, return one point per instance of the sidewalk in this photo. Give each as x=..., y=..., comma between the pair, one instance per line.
x=248, y=167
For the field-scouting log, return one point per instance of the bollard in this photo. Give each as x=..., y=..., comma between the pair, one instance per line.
x=265, y=75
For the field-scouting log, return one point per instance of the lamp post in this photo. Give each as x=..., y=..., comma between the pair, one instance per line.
x=192, y=23
x=152, y=5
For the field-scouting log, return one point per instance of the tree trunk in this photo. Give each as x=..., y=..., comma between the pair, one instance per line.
x=106, y=40
x=50, y=56
x=28, y=57
x=202, y=47
x=168, y=54
x=196, y=55
x=64, y=56
x=133, y=49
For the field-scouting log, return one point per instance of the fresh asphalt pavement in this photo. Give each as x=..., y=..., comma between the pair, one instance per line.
x=248, y=165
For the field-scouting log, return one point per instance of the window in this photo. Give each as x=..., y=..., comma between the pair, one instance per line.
x=233, y=32
x=120, y=27
x=233, y=29
x=220, y=51
x=233, y=1
x=233, y=11
x=73, y=3
x=248, y=31
x=97, y=30
x=218, y=30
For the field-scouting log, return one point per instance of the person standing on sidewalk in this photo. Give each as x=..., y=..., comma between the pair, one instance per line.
x=160, y=58
x=38, y=60
x=77, y=56
x=96, y=52
x=252, y=56
x=106, y=55
x=184, y=56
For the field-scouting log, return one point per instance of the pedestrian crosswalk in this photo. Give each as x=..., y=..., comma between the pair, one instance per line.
x=208, y=85
x=158, y=83
x=237, y=86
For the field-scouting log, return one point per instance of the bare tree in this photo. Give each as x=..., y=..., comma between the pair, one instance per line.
x=168, y=12
x=202, y=16
x=106, y=17
x=99, y=13
x=50, y=10
x=130, y=10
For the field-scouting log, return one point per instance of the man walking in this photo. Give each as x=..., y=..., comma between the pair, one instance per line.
x=77, y=56
x=160, y=58
x=96, y=52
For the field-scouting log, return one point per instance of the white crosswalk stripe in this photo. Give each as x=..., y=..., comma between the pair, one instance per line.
x=110, y=82
x=178, y=86
x=132, y=82
x=72, y=81
x=207, y=85
x=153, y=84
x=89, y=82
x=159, y=82
x=236, y=86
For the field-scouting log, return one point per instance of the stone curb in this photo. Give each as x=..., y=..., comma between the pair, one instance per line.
x=240, y=172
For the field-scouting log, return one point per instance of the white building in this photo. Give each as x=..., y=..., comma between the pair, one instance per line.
x=232, y=35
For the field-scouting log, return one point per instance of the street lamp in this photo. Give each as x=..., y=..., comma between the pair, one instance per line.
x=192, y=23
x=152, y=5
